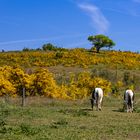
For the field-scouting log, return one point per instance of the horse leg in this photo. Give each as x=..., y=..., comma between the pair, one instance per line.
x=131, y=107
x=100, y=106
x=127, y=108
x=92, y=103
x=97, y=105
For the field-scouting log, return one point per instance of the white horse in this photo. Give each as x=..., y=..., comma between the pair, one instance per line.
x=129, y=100
x=97, y=96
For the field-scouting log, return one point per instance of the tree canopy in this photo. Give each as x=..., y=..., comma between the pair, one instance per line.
x=100, y=41
x=49, y=46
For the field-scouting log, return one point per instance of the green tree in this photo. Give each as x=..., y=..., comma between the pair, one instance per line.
x=49, y=47
x=100, y=41
x=26, y=49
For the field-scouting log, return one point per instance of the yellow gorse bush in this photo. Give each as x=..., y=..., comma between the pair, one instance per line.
x=6, y=88
x=42, y=82
x=74, y=57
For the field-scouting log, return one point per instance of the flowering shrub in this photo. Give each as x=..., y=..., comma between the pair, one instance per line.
x=73, y=57
x=42, y=82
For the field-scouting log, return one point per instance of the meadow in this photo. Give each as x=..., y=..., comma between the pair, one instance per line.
x=53, y=119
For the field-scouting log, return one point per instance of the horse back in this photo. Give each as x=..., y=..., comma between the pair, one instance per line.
x=129, y=96
x=99, y=93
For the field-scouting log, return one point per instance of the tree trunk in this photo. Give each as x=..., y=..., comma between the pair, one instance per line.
x=97, y=49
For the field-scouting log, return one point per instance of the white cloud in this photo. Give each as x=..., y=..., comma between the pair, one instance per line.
x=98, y=19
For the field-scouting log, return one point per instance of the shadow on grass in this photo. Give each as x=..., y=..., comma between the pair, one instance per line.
x=122, y=110
x=86, y=109
x=77, y=112
x=119, y=110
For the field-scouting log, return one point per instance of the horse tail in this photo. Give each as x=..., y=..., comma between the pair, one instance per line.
x=97, y=97
x=124, y=96
x=129, y=100
x=93, y=94
x=133, y=97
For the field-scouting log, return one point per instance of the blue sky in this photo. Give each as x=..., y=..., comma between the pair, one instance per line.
x=68, y=23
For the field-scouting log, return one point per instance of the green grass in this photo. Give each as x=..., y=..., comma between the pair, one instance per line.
x=49, y=119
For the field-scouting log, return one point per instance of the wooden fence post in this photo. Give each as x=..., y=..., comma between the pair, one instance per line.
x=23, y=97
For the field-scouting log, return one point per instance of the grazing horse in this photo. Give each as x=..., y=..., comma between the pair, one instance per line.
x=129, y=100
x=97, y=96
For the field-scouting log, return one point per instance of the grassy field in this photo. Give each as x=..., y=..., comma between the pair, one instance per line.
x=50, y=119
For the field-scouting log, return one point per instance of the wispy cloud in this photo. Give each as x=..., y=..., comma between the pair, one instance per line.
x=117, y=11
x=138, y=1
x=54, y=38
x=136, y=11
x=20, y=41
x=77, y=44
x=98, y=19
